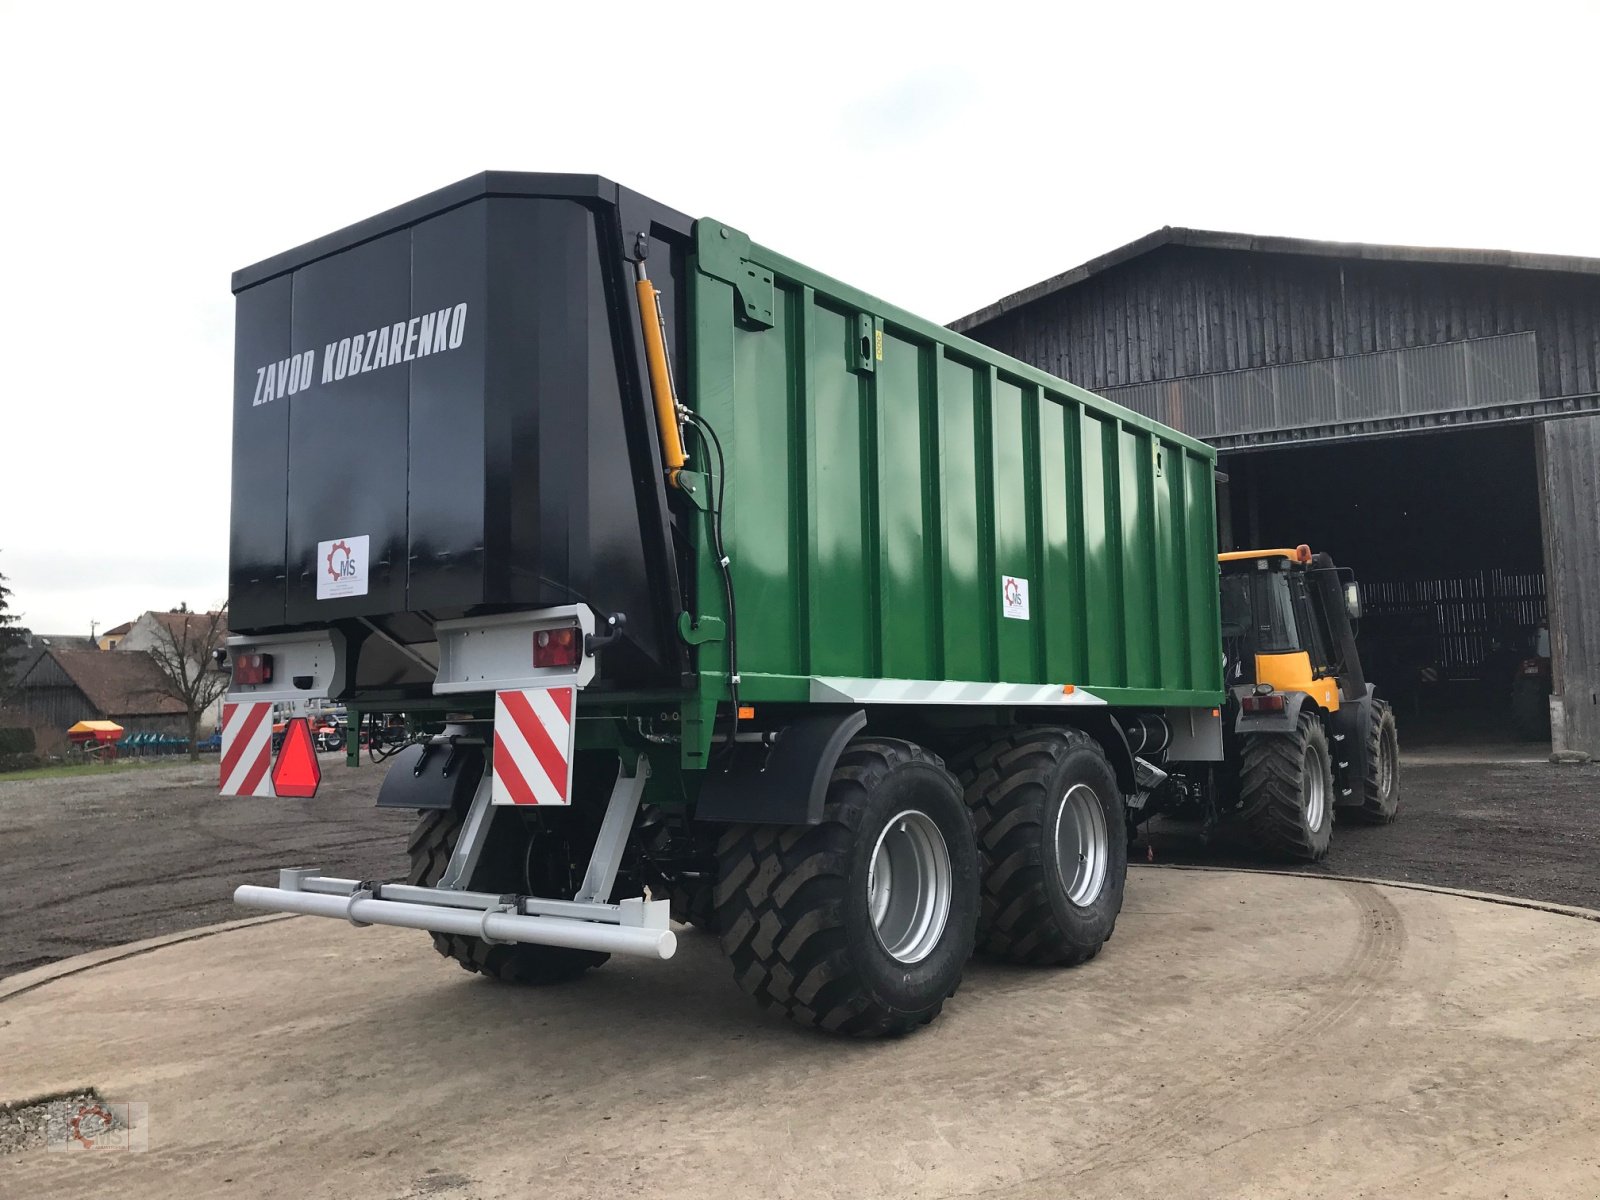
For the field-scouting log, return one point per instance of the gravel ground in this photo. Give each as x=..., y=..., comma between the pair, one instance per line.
x=1528, y=829
x=55, y=1121
x=98, y=861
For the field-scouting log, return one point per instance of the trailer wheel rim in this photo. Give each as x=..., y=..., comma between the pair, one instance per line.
x=909, y=886
x=1316, y=774
x=1083, y=845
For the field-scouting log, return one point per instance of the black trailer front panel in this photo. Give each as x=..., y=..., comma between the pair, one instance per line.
x=432, y=418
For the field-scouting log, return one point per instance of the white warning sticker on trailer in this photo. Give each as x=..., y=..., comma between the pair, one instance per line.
x=1014, y=597
x=341, y=567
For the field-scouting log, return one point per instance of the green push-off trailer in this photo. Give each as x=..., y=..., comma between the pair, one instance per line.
x=715, y=590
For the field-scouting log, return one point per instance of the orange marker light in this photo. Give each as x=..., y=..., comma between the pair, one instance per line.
x=747, y=712
x=1302, y=553
x=1068, y=688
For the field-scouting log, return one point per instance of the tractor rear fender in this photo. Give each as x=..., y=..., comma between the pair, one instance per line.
x=782, y=784
x=1347, y=730
x=1282, y=722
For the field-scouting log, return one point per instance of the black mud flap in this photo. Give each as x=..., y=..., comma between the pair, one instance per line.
x=1347, y=729
x=784, y=784
x=425, y=776
x=1280, y=722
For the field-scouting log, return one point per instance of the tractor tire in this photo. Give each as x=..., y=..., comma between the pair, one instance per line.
x=1286, y=785
x=518, y=857
x=1380, y=793
x=862, y=924
x=1052, y=845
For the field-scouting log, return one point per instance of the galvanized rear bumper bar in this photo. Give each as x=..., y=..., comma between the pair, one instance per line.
x=638, y=927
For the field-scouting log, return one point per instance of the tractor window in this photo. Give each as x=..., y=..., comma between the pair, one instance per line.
x=1312, y=625
x=1276, y=629
x=1325, y=590
x=1235, y=606
x=1237, y=632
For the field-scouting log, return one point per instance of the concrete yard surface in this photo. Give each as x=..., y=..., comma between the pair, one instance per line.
x=1241, y=1036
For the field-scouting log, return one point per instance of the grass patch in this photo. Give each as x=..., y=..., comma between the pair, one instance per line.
x=70, y=770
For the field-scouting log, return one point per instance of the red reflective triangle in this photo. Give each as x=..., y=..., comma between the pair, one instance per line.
x=297, y=771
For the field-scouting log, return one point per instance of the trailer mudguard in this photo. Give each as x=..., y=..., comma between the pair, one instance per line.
x=1105, y=729
x=782, y=784
x=431, y=776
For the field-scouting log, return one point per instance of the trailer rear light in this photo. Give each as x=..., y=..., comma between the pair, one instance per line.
x=1273, y=703
x=557, y=647
x=297, y=772
x=252, y=668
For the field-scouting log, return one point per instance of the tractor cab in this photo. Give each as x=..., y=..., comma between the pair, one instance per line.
x=1287, y=628
x=1305, y=733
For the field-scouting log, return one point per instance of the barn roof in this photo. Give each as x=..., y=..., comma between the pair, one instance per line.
x=20, y=659
x=1214, y=239
x=114, y=683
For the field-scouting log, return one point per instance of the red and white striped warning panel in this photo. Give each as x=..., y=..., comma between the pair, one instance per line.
x=247, y=749
x=533, y=738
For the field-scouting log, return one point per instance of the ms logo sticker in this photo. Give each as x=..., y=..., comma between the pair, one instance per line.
x=341, y=567
x=1014, y=597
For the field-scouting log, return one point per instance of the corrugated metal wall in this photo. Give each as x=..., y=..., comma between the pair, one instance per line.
x=1570, y=460
x=1339, y=394
x=1183, y=310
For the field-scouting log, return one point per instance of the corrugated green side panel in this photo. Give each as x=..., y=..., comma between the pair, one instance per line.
x=886, y=474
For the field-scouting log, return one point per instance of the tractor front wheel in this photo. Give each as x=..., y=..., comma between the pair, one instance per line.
x=1286, y=791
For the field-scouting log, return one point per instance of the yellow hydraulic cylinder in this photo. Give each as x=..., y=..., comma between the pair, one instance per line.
x=655, y=350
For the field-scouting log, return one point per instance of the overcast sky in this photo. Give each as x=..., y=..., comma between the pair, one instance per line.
x=939, y=160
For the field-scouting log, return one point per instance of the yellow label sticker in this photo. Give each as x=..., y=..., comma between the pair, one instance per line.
x=879, y=333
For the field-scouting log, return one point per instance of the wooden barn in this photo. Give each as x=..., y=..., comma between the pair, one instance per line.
x=1431, y=417
x=61, y=687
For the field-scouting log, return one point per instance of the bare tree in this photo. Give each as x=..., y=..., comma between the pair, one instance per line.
x=183, y=653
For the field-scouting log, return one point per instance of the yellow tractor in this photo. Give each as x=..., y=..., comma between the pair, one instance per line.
x=1304, y=733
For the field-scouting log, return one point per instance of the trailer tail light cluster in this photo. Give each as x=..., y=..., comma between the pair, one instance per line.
x=561, y=647
x=1273, y=702
x=252, y=668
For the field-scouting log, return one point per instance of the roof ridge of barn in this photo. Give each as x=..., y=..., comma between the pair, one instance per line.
x=1218, y=239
